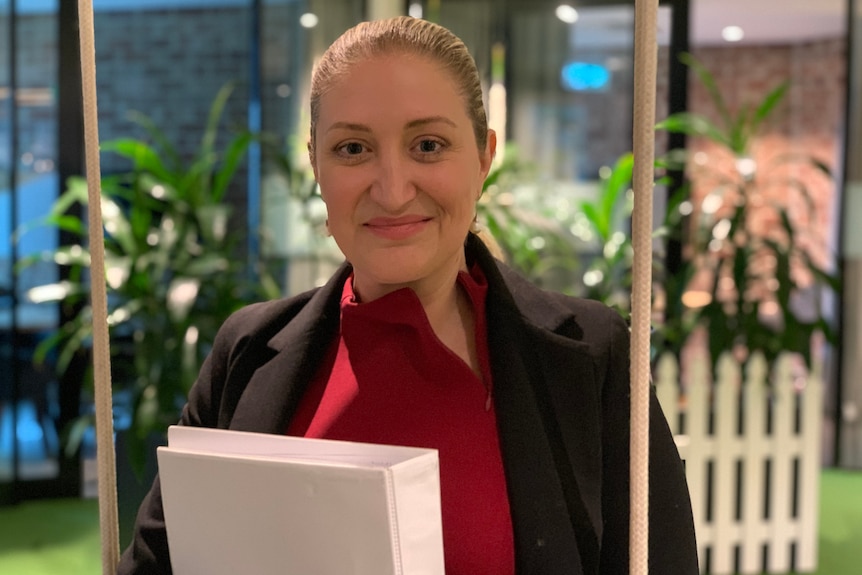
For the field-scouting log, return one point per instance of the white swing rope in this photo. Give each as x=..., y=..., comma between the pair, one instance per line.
x=643, y=132
x=107, y=472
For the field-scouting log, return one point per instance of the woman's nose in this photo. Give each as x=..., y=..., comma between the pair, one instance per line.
x=393, y=187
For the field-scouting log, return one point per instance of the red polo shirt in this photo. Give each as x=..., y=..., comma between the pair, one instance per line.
x=388, y=379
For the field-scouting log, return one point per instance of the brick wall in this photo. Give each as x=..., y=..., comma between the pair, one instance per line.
x=37, y=71
x=169, y=65
x=166, y=64
x=808, y=121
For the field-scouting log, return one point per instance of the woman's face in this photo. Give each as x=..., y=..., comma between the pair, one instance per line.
x=400, y=172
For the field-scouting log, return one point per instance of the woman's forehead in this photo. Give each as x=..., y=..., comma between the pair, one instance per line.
x=390, y=59
x=391, y=85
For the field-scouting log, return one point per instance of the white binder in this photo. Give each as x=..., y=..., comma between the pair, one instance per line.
x=238, y=502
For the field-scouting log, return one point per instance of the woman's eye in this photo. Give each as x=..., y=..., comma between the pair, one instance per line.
x=352, y=148
x=429, y=146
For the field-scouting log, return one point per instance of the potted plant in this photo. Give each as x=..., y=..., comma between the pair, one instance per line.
x=174, y=273
x=748, y=265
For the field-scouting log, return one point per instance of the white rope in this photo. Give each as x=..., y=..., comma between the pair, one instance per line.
x=107, y=473
x=645, y=65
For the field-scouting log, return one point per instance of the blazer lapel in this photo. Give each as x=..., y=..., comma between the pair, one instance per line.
x=276, y=387
x=545, y=542
x=564, y=386
x=548, y=411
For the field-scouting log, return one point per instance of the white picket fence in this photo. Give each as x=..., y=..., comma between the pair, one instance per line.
x=751, y=446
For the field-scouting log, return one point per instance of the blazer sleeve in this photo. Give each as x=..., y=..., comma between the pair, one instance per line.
x=148, y=552
x=672, y=548
x=240, y=346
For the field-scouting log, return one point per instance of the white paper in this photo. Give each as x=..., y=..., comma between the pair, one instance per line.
x=239, y=503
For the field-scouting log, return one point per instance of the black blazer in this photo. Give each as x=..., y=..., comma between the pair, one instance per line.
x=560, y=367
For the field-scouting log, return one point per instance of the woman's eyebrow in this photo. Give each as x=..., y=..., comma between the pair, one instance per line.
x=348, y=126
x=430, y=120
x=419, y=122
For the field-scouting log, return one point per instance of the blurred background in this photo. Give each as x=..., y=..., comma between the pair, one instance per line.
x=210, y=204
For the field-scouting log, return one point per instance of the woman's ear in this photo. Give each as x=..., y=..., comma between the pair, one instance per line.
x=489, y=153
x=486, y=158
x=311, y=159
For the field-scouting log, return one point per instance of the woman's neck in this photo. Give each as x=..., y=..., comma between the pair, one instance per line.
x=447, y=307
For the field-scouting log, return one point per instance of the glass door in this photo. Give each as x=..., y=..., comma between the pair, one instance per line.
x=8, y=455
x=29, y=442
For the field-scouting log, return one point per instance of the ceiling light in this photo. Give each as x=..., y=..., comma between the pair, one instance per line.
x=732, y=33
x=415, y=9
x=567, y=14
x=308, y=20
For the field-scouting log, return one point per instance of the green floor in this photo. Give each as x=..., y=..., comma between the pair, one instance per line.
x=62, y=537
x=50, y=537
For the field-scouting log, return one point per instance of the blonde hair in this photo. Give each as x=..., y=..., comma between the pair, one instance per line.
x=404, y=35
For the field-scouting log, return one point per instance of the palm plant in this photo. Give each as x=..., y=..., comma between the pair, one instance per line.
x=608, y=272
x=746, y=275
x=173, y=266
x=532, y=239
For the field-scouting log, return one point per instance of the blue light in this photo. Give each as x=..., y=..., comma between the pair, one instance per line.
x=29, y=433
x=584, y=77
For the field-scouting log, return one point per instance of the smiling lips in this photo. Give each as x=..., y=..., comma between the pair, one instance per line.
x=397, y=228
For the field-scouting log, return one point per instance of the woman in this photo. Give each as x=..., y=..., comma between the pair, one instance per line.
x=423, y=338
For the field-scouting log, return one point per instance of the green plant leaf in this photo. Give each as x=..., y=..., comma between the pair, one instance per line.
x=214, y=222
x=163, y=145
x=214, y=119
x=74, y=435
x=233, y=158
x=207, y=265
x=71, y=256
x=693, y=125
x=768, y=104
x=708, y=81
x=785, y=281
x=141, y=154
x=831, y=280
x=75, y=193
x=596, y=219
x=117, y=226
x=77, y=334
x=740, y=132
x=616, y=185
x=152, y=192
x=804, y=159
x=67, y=223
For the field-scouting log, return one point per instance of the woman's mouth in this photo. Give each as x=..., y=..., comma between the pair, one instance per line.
x=399, y=228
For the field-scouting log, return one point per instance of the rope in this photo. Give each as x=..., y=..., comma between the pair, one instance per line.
x=646, y=56
x=108, y=521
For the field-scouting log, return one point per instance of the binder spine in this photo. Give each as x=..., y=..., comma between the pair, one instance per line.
x=394, y=531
